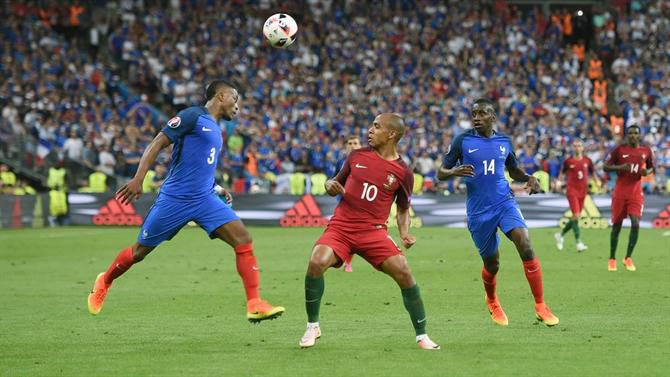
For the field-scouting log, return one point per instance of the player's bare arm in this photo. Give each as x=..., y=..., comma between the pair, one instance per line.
x=465, y=170
x=133, y=189
x=333, y=187
x=403, y=219
x=532, y=184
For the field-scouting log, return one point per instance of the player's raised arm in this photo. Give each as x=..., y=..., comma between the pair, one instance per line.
x=133, y=189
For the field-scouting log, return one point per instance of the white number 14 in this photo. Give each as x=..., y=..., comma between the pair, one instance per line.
x=489, y=167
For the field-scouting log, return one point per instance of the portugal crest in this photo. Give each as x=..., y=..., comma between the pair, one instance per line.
x=390, y=180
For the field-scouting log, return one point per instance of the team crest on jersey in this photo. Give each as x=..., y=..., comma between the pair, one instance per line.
x=502, y=149
x=174, y=122
x=390, y=180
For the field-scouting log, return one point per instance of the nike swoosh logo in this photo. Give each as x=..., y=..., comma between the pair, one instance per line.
x=361, y=166
x=473, y=150
x=421, y=320
x=255, y=268
x=529, y=270
x=206, y=129
x=625, y=156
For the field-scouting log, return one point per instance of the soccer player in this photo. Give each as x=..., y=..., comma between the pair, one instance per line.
x=576, y=168
x=481, y=155
x=353, y=143
x=631, y=161
x=370, y=180
x=189, y=193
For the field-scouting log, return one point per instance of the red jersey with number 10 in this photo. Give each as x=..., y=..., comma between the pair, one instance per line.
x=371, y=184
x=628, y=182
x=577, y=171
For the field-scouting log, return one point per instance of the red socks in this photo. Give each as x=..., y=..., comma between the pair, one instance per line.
x=247, y=268
x=489, y=284
x=121, y=264
x=534, y=275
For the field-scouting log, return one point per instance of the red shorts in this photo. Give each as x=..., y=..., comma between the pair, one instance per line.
x=576, y=202
x=624, y=207
x=375, y=246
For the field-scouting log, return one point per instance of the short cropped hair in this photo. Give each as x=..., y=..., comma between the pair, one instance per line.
x=633, y=126
x=216, y=85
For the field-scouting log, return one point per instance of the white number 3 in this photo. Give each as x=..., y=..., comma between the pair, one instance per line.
x=212, y=157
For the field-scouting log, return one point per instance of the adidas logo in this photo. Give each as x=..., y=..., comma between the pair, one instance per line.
x=115, y=213
x=414, y=221
x=305, y=212
x=589, y=218
x=662, y=220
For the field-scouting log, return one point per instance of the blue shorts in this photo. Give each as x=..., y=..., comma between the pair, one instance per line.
x=167, y=216
x=484, y=227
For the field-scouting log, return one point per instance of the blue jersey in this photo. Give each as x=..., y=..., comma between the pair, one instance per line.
x=197, y=144
x=488, y=189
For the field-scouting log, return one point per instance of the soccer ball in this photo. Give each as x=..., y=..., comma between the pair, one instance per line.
x=280, y=30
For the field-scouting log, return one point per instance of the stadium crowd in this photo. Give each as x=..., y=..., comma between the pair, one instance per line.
x=70, y=74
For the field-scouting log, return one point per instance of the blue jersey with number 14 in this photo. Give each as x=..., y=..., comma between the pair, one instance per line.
x=489, y=188
x=197, y=144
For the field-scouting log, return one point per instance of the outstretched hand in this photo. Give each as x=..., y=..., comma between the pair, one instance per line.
x=129, y=192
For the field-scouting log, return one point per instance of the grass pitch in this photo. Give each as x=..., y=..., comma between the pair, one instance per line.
x=182, y=311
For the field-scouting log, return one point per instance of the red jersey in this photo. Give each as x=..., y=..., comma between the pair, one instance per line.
x=577, y=171
x=371, y=184
x=628, y=182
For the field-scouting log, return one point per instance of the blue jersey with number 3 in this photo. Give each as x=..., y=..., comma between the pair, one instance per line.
x=489, y=156
x=197, y=144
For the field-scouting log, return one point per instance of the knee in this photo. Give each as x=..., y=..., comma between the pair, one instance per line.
x=634, y=222
x=317, y=266
x=526, y=251
x=403, y=276
x=243, y=239
x=492, y=267
x=140, y=252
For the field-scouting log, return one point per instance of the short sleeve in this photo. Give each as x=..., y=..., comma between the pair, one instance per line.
x=511, y=162
x=342, y=175
x=403, y=197
x=649, y=161
x=613, y=156
x=454, y=154
x=181, y=124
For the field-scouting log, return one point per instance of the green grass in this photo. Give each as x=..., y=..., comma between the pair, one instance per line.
x=181, y=312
